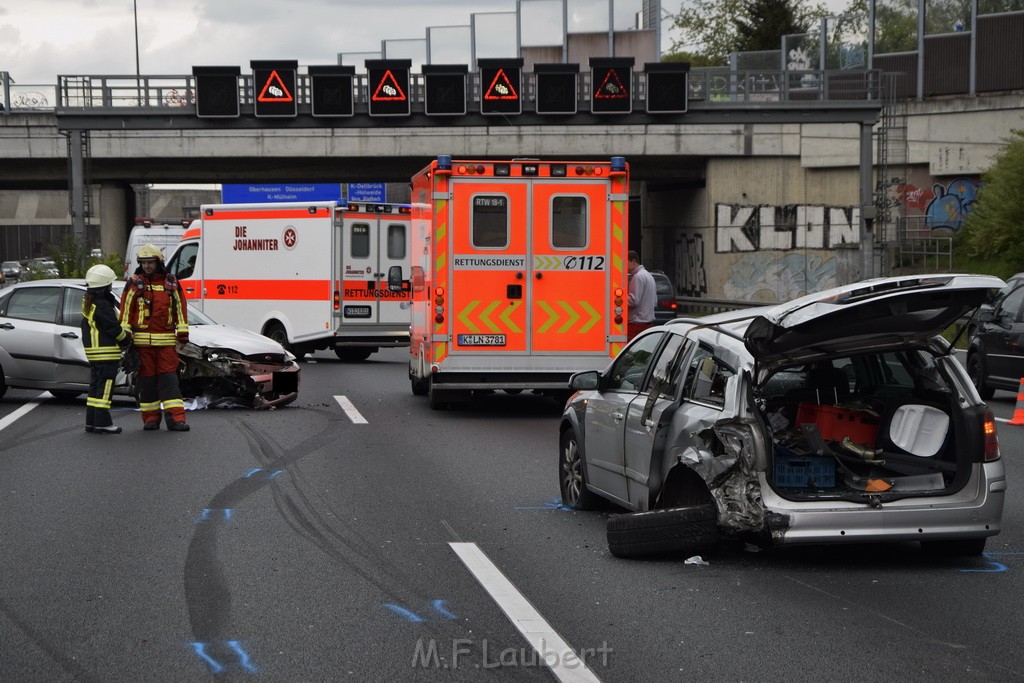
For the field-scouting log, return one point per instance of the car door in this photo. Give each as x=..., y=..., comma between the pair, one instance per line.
x=28, y=335
x=70, y=364
x=645, y=418
x=1003, y=341
x=606, y=415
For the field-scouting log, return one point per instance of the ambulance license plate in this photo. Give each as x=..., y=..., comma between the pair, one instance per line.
x=481, y=340
x=357, y=311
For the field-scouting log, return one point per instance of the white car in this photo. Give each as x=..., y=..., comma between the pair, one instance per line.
x=41, y=348
x=839, y=417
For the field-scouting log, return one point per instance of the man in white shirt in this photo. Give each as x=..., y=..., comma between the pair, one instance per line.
x=643, y=297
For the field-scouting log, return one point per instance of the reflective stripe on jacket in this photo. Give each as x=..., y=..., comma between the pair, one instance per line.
x=153, y=309
x=100, y=329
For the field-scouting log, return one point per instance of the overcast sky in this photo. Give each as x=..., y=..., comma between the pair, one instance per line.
x=41, y=39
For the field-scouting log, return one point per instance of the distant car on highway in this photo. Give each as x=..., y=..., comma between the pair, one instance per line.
x=40, y=269
x=11, y=271
x=995, y=351
x=40, y=348
x=667, y=305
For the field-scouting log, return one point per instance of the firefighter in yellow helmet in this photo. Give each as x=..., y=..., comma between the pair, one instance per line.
x=154, y=311
x=103, y=339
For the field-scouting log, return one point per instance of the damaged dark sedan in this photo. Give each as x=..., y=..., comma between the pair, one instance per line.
x=839, y=417
x=40, y=349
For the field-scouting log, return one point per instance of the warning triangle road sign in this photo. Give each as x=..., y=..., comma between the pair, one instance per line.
x=611, y=87
x=501, y=88
x=274, y=90
x=388, y=89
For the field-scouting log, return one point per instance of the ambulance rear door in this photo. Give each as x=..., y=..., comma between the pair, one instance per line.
x=488, y=276
x=569, y=274
x=375, y=238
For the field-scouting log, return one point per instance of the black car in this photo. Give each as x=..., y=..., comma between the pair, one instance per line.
x=667, y=304
x=995, y=355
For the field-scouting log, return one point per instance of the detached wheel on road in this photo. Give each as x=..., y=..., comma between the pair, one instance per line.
x=571, y=481
x=674, y=531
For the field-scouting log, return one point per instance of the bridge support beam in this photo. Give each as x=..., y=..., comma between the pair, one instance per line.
x=867, y=205
x=76, y=147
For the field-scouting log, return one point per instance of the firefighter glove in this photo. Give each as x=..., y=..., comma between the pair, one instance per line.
x=183, y=337
x=126, y=342
x=130, y=360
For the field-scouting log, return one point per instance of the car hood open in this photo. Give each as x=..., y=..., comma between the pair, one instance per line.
x=869, y=313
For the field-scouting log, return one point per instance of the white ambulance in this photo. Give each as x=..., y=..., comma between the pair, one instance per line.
x=146, y=231
x=310, y=275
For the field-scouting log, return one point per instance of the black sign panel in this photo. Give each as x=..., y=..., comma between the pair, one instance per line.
x=332, y=90
x=501, y=82
x=445, y=89
x=274, y=93
x=216, y=91
x=611, y=84
x=388, y=84
x=557, y=88
x=667, y=87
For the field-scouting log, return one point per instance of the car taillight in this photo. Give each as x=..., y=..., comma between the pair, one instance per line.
x=668, y=303
x=991, y=438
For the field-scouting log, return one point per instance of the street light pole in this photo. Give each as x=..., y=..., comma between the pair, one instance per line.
x=135, y=12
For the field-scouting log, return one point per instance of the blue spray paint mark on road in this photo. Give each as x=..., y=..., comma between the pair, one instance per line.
x=215, y=666
x=252, y=472
x=442, y=610
x=553, y=504
x=996, y=567
x=271, y=476
x=208, y=514
x=243, y=656
x=404, y=613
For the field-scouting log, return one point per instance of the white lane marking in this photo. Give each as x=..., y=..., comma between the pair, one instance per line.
x=19, y=413
x=552, y=649
x=350, y=410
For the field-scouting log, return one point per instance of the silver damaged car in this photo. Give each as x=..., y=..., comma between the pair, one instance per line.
x=838, y=417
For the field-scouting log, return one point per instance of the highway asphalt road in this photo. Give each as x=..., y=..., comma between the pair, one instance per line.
x=359, y=535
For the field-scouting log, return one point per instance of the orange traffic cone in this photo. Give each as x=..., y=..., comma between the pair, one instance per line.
x=1018, y=412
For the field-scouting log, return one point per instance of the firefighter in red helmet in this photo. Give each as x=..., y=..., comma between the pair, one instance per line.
x=153, y=310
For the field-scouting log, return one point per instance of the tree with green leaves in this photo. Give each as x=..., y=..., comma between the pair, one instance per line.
x=995, y=228
x=764, y=22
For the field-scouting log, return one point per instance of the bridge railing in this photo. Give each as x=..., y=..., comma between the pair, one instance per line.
x=707, y=87
x=15, y=97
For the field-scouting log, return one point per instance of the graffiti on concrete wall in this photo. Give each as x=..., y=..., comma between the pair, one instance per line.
x=693, y=280
x=766, y=276
x=943, y=206
x=796, y=226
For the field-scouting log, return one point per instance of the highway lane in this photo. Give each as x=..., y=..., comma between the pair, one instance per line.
x=303, y=543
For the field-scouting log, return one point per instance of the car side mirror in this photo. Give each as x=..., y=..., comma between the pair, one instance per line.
x=585, y=381
x=986, y=316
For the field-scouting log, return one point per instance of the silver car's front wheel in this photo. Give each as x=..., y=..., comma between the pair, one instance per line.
x=571, y=480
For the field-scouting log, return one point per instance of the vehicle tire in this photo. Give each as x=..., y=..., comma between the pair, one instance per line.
x=420, y=387
x=513, y=392
x=959, y=547
x=572, y=481
x=354, y=354
x=65, y=395
x=671, y=531
x=436, y=397
x=275, y=331
x=976, y=370
x=3, y=383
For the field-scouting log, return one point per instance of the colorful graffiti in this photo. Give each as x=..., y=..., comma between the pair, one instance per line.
x=771, y=277
x=795, y=226
x=944, y=206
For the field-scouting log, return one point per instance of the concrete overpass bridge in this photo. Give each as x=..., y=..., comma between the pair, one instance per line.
x=762, y=188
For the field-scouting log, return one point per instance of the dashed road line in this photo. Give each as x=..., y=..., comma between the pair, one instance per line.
x=564, y=663
x=350, y=410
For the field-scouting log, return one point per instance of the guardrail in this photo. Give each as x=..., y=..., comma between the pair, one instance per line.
x=699, y=305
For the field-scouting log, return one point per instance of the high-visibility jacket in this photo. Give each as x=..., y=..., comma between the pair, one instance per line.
x=153, y=309
x=101, y=332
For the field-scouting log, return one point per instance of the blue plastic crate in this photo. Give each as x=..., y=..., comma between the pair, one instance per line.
x=800, y=471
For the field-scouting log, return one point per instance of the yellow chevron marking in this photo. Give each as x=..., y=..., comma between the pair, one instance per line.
x=485, y=317
x=573, y=316
x=594, y=316
x=464, y=316
x=552, y=317
x=506, y=317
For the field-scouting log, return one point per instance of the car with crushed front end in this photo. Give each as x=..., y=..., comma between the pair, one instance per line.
x=40, y=348
x=839, y=417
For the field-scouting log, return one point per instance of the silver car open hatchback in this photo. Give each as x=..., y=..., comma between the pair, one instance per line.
x=838, y=417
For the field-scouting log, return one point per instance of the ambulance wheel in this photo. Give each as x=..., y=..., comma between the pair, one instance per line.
x=420, y=387
x=352, y=355
x=276, y=332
